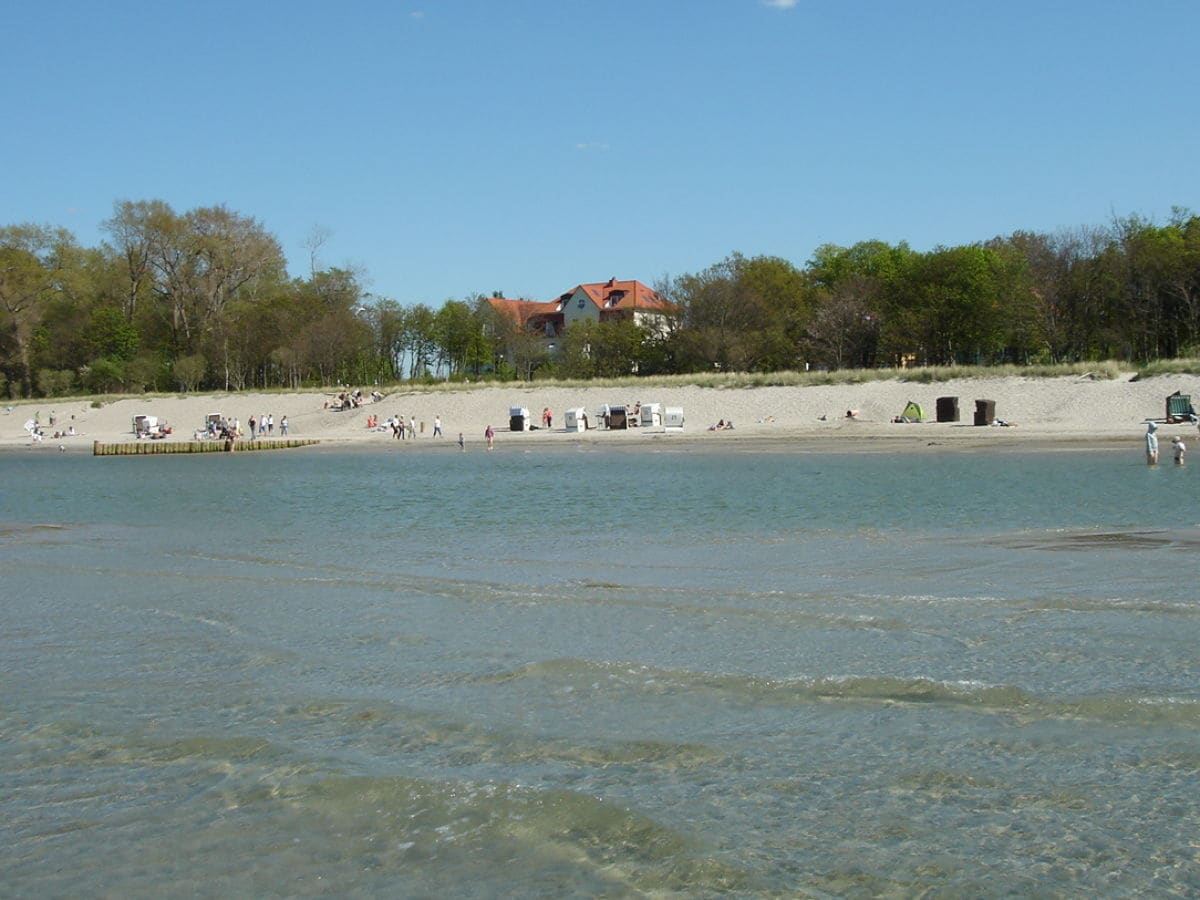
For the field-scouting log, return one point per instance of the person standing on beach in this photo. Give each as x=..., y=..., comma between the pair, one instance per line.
x=490, y=436
x=462, y=444
x=283, y=426
x=1151, y=444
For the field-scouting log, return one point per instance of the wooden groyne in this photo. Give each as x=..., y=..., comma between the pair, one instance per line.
x=143, y=448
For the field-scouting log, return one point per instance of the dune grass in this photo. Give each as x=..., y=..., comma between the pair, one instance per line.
x=727, y=380
x=1106, y=370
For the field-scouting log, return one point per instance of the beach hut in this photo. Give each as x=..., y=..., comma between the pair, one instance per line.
x=1180, y=409
x=673, y=417
x=947, y=409
x=576, y=419
x=651, y=414
x=519, y=419
x=144, y=425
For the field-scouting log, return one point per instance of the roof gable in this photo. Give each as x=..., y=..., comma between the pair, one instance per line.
x=614, y=294
x=606, y=296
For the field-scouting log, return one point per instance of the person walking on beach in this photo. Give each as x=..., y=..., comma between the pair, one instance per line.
x=1179, y=448
x=437, y=426
x=253, y=425
x=1151, y=444
x=462, y=444
x=283, y=426
x=490, y=435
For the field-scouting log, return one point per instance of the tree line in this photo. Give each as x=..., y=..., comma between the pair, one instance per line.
x=202, y=300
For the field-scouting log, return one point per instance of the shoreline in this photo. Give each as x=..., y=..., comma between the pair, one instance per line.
x=1067, y=413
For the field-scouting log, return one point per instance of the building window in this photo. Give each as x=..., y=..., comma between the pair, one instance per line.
x=581, y=302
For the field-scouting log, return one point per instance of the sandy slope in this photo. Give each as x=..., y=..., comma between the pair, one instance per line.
x=1061, y=410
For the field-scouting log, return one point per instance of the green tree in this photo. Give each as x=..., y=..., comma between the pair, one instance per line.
x=420, y=340
x=741, y=314
x=34, y=262
x=947, y=310
x=844, y=328
x=457, y=332
x=133, y=227
x=110, y=334
x=189, y=371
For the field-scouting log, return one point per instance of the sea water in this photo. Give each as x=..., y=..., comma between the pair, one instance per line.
x=599, y=672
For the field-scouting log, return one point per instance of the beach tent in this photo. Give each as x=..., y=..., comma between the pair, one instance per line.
x=912, y=413
x=1180, y=409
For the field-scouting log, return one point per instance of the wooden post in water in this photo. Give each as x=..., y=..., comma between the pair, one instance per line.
x=149, y=448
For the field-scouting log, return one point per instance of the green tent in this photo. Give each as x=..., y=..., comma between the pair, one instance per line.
x=912, y=413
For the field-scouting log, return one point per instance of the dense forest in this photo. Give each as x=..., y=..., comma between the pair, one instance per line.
x=203, y=300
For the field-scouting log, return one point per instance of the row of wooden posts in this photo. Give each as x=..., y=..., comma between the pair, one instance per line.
x=140, y=448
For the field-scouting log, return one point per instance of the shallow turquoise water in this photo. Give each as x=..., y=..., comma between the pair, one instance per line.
x=596, y=672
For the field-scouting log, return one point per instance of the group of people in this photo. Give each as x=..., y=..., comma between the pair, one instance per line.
x=352, y=399
x=401, y=429
x=264, y=426
x=1178, y=448
x=231, y=429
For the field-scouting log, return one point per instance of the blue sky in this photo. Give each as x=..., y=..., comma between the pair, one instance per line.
x=447, y=148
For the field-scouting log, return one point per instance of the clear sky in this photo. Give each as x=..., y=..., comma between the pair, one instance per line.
x=448, y=147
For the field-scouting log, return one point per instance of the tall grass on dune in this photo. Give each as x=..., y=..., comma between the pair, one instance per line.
x=727, y=380
x=1101, y=371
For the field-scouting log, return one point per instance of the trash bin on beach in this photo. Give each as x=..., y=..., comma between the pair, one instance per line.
x=518, y=419
x=985, y=412
x=947, y=409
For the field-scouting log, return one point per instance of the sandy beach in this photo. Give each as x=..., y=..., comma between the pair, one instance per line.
x=1068, y=412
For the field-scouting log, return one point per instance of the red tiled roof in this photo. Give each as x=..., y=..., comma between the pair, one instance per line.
x=520, y=311
x=614, y=294
x=607, y=295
